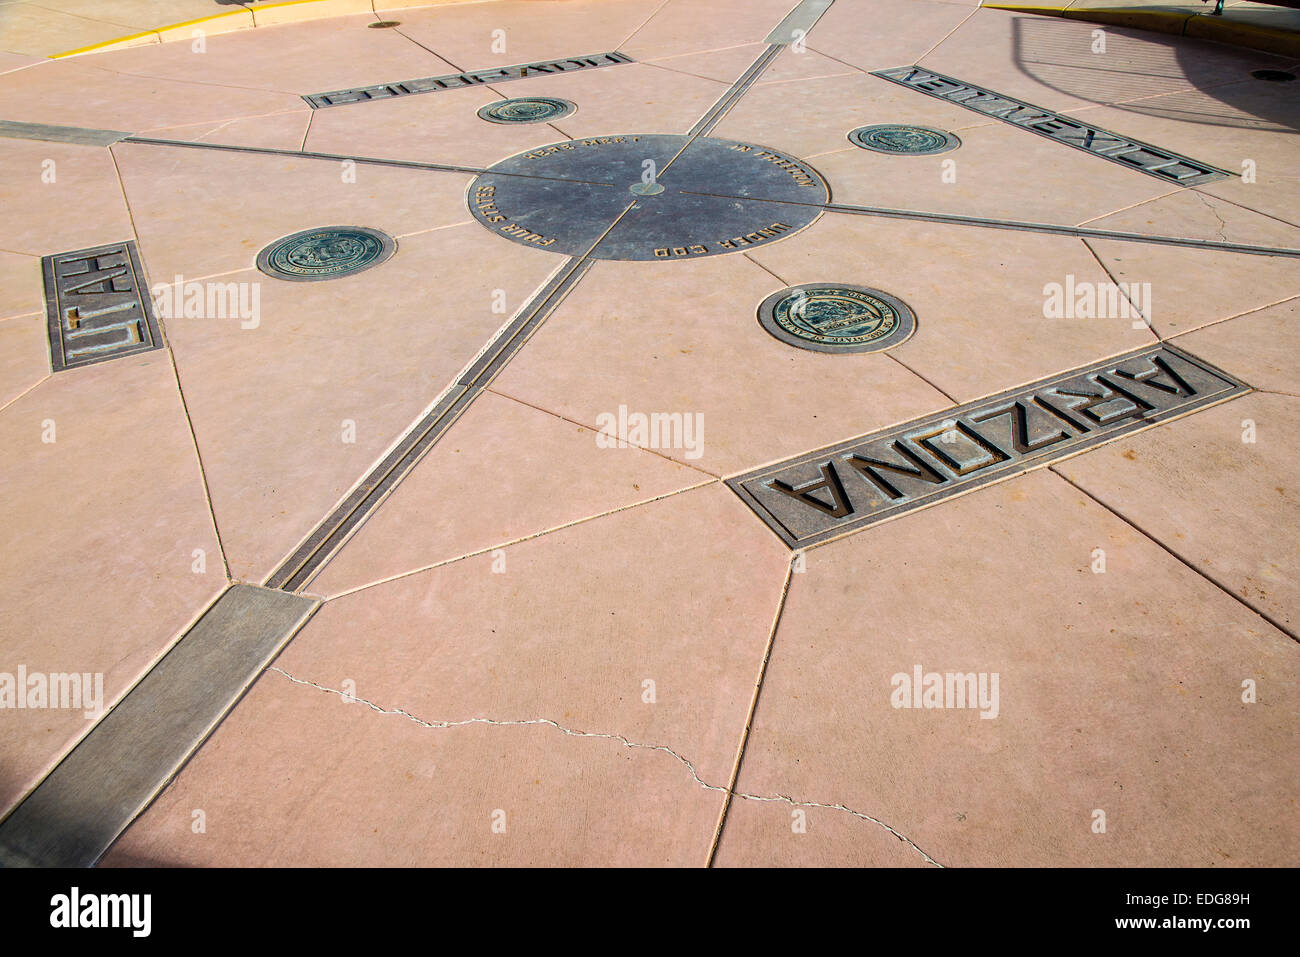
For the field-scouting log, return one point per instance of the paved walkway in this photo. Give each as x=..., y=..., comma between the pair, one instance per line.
x=70, y=27
x=548, y=639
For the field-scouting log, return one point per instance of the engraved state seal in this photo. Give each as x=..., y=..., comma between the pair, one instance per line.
x=903, y=140
x=834, y=317
x=527, y=109
x=329, y=252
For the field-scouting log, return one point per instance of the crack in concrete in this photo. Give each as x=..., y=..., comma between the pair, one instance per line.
x=572, y=732
x=848, y=810
x=508, y=722
x=1222, y=225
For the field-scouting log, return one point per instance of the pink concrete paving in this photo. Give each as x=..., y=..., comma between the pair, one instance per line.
x=1119, y=691
x=541, y=647
x=81, y=594
x=555, y=649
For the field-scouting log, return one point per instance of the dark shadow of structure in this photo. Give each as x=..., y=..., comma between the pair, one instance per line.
x=1053, y=53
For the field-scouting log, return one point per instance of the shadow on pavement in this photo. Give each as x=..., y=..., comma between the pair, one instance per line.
x=1051, y=51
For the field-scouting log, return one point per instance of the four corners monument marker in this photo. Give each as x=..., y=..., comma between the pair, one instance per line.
x=652, y=197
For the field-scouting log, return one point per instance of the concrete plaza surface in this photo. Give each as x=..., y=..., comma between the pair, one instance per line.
x=533, y=631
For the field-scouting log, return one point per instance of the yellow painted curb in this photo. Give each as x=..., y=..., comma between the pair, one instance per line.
x=155, y=35
x=247, y=18
x=1199, y=25
x=1158, y=21
x=1283, y=42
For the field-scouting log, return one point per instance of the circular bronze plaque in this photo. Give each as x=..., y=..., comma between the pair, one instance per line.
x=834, y=317
x=648, y=197
x=527, y=109
x=903, y=140
x=325, y=253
